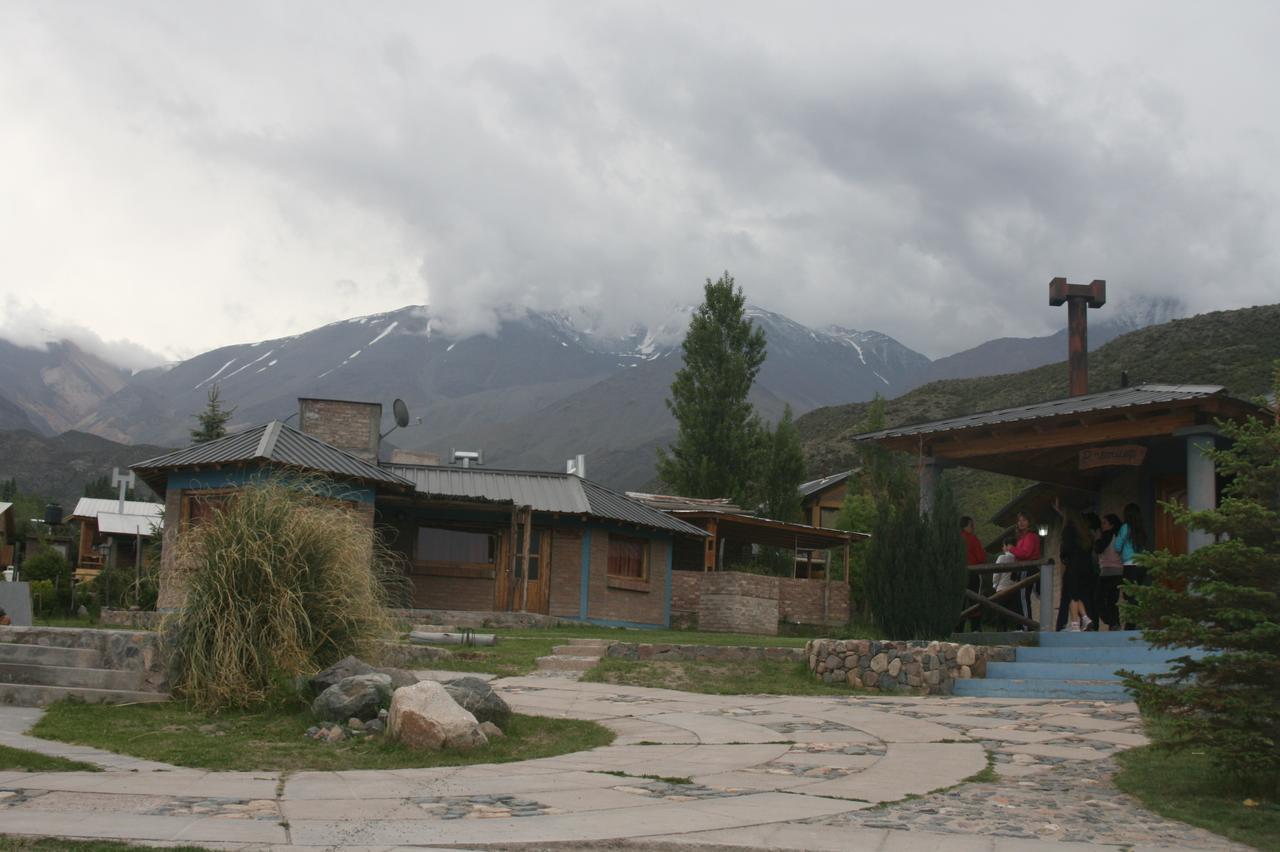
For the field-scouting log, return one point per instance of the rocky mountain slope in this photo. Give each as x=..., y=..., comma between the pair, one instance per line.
x=54, y=387
x=58, y=466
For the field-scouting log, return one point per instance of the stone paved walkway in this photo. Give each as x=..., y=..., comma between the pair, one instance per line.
x=763, y=772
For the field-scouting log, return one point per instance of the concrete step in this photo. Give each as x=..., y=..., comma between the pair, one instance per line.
x=1095, y=690
x=1103, y=654
x=1091, y=639
x=566, y=664
x=70, y=676
x=578, y=651
x=602, y=644
x=1070, y=671
x=45, y=655
x=42, y=695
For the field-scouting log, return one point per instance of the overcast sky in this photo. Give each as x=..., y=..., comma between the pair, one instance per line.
x=178, y=176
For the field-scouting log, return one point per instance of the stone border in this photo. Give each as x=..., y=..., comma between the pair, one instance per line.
x=122, y=650
x=932, y=667
x=138, y=619
x=708, y=653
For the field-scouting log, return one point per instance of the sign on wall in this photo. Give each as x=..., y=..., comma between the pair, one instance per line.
x=1125, y=455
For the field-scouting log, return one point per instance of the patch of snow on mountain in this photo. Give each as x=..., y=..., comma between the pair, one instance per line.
x=251, y=363
x=216, y=373
x=385, y=332
x=449, y=348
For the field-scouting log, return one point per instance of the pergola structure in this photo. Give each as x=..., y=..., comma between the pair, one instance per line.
x=1144, y=444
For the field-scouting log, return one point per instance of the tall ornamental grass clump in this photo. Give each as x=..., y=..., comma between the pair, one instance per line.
x=281, y=581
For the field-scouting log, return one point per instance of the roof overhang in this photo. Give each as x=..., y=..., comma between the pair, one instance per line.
x=770, y=533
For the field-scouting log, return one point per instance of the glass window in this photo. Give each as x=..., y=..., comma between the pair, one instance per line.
x=628, y=557
x=442, y=545
x=828, y=518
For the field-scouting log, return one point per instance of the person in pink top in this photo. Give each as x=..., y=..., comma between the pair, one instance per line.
x=1025, y=549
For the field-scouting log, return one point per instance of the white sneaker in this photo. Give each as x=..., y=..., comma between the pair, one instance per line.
x=1085, y=622
x=1073, y=627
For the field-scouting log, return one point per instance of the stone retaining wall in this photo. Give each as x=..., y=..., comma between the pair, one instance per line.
x=122, y=650
x=137, y=619
x=933, y=667
x=710, y=653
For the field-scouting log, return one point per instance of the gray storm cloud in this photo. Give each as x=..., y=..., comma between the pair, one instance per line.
x=614, y=159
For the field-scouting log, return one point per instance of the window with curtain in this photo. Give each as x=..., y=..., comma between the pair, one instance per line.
x=628, y=557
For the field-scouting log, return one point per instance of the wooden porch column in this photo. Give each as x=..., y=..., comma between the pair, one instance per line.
x=524, y=557
x=713, y=545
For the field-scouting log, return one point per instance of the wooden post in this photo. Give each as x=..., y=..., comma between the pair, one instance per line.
x=508, y=591
x=709, y=555
x=848, y=568
x=524, y=557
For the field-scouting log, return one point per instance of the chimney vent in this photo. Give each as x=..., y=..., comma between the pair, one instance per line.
x=1079, y=298
x=347, y=425
x=576, y=466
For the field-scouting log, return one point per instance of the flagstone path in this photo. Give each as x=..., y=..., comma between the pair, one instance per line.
x=762, y=772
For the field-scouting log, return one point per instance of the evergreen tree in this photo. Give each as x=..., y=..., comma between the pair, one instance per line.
x=1224, y=599
x=718, y=441
x=782, y=471
x=8, y=490
x=213, y=420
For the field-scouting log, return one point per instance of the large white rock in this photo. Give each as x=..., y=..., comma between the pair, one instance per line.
x=425, y=716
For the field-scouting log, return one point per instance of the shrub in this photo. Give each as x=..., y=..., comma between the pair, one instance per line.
x=281, y=582
x=46, y=564
x=1225, y=599
x=915, y=567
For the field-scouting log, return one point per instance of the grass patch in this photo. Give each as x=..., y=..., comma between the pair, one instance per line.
x=270, y=740
x=30, y=761
x=738, y=678
x=15, y=843
x=517, y=650
x=1186, y=786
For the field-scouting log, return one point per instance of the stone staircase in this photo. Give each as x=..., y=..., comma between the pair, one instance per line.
x=571, y=660
x=1071, y=665
x=39, y=666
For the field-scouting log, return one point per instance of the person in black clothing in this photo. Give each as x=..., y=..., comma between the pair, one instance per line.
x=1110, y=570
x=1094, y=523
x=1077, y=566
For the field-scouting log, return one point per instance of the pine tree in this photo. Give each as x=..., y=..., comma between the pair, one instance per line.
x=718, y=441
x=1224, y=599
x=8, y=490
x=213, y=420
x=782, y=471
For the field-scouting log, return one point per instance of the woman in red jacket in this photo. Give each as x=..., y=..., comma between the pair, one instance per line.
x=1025, y=549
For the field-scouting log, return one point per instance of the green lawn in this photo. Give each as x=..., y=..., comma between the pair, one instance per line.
x=269, y=740
x=715, y=678
x=29, y=761
x=15, y=843
x=1186, y=786
x=517, y=650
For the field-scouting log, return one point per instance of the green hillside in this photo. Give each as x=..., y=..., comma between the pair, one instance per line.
x=1237, y=349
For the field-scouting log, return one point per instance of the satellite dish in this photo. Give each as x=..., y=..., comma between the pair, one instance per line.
x=401, y=412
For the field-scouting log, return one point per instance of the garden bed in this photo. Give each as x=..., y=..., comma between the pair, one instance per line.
x=273, y=740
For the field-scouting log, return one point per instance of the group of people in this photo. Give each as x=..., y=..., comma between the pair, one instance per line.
x=1098, y=554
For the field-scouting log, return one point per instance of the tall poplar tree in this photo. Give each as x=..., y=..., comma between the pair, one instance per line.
x=213, y=420
x=781, y=470
x=718, y=445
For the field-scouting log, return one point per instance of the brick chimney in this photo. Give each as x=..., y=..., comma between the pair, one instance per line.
x=1079, y=298
x=347, y=425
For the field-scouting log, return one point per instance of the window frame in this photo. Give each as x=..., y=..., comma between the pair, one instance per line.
x=627, y=581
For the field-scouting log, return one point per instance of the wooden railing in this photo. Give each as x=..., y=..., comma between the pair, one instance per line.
x=1043, y=576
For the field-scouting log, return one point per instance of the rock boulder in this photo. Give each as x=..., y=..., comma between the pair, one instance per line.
x=360, y=697
x=399, y=677
x=478, y=698
x=344, y=668
x=424, y=716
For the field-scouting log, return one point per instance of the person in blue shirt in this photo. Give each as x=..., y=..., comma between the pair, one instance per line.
x=1131, y=540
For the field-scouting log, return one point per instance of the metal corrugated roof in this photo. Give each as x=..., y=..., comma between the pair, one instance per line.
x=816, y=485
x=545, y=492
x=92, y=507
x=1141, y=395
x=278, y=443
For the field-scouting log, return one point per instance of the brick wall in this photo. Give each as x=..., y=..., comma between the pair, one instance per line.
x=606, y=600
x=172, y=588
x=731, y=602
x=350, y=426
x=801, y=601
x=466, y=593
x=686, y=589
x=566, y=571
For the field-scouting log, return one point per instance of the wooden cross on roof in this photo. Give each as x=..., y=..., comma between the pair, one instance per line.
x=1079, y=298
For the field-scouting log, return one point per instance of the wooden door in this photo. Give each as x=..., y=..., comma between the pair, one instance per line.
x=1169, y=535
x=536, y=596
